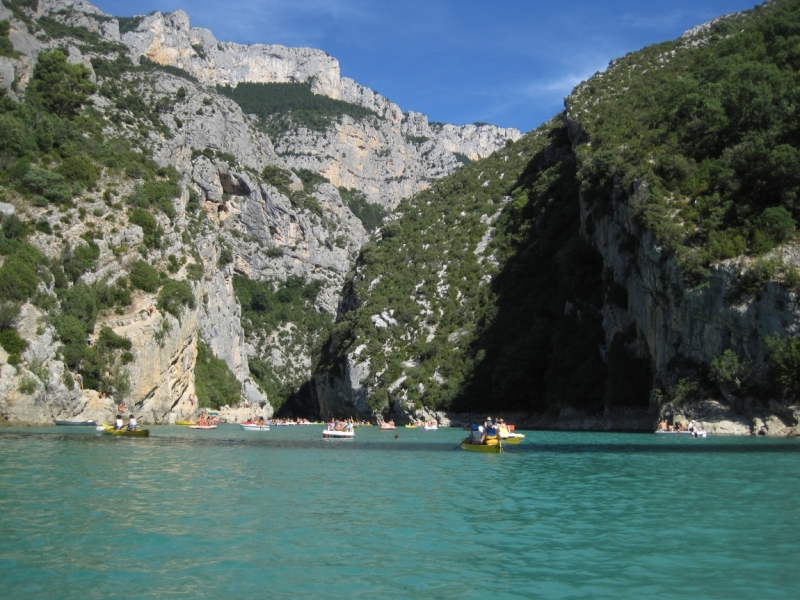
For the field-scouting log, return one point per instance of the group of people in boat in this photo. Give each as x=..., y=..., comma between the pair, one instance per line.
x=487, y=433
x=679, y=426
x=132, y=424
x=205, y=420
x=337, y=425
x=259, y=421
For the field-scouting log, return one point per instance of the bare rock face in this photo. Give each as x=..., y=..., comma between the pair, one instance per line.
x=162, y=378
x=674, y=323
x=388, y=157
x=345, y=396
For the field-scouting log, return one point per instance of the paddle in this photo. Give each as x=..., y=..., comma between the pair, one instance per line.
x=459, y=444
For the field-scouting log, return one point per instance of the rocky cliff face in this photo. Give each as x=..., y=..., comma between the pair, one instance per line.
x=220, y=154
x=388, y=158
x=676, y=325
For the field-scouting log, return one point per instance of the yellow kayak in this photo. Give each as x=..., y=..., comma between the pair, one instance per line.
x=109, y=430
x=493, y=447
x=184, y=422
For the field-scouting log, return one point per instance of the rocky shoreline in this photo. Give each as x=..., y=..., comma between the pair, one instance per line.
x=714, y=416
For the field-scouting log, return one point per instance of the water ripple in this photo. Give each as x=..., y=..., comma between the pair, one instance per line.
x=563, y=515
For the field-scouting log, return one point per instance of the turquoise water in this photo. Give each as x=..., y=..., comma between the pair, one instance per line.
x=235, y=514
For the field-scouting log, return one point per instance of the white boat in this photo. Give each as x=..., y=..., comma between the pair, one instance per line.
x=430, y=427
x=202, y=426
x=698, y=433
x=254, y=427
x=332, y=433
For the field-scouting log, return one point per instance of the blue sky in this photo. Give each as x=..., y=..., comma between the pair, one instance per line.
x=507, y=62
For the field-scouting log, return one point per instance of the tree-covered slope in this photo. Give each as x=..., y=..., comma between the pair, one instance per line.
x=507, y=285
x=709, y=121
x=438, y=319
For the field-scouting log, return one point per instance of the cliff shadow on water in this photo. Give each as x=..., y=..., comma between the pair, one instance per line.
x=541, y=345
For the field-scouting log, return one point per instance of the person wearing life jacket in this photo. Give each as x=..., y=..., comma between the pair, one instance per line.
x=491, y=431
x=477, y=434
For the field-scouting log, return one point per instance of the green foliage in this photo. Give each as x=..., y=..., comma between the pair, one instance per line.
x=286, y=106
x=757, y=275
x=48, y=184
x=174, y=297
x=371, y=215
x=12, y=135
x=177, y=71
x=194, y=271
x=144, y=277
x=127, y=24
x=150, y=228
x=78, y=260
x=783, y=364
x=726, y=370
x=60, y=87
x=214, y=383
x=287, y=309
x=78, y=169
x=225, y=257
x=310, y=179
x=72, y=333
x=12, y=342
x=19, y=274
x=710, y=128
x=511, y=343
x=158, y=194
x=9, y=311
x=462, y=158
x=111, y=341
x=278, y=177
x=28, y=385
x=6, y=47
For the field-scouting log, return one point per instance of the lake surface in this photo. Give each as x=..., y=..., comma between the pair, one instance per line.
x=235, y=514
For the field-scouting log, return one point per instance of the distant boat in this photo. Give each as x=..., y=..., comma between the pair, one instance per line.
x=332, y=433
x=202, y=426
x=90, y=422
x=386, y=427
x=183, y=423
x=254, y=427
x=699, y=434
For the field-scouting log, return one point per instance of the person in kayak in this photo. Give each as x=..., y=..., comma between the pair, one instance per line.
x=491, y=430
x=118, y=423
x=477, y=434
x=132, y=424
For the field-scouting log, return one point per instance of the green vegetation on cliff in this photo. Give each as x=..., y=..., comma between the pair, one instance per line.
x=54, y=155
x=214, y=382
x=709, y=124
x=486, y=290
x=439, y=334
x=280, y=316
x=285, y=106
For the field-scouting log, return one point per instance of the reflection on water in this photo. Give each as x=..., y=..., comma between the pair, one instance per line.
x=227, y=514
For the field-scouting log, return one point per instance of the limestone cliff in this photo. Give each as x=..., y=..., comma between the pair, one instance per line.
x=388, y=159
x=219, y=153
